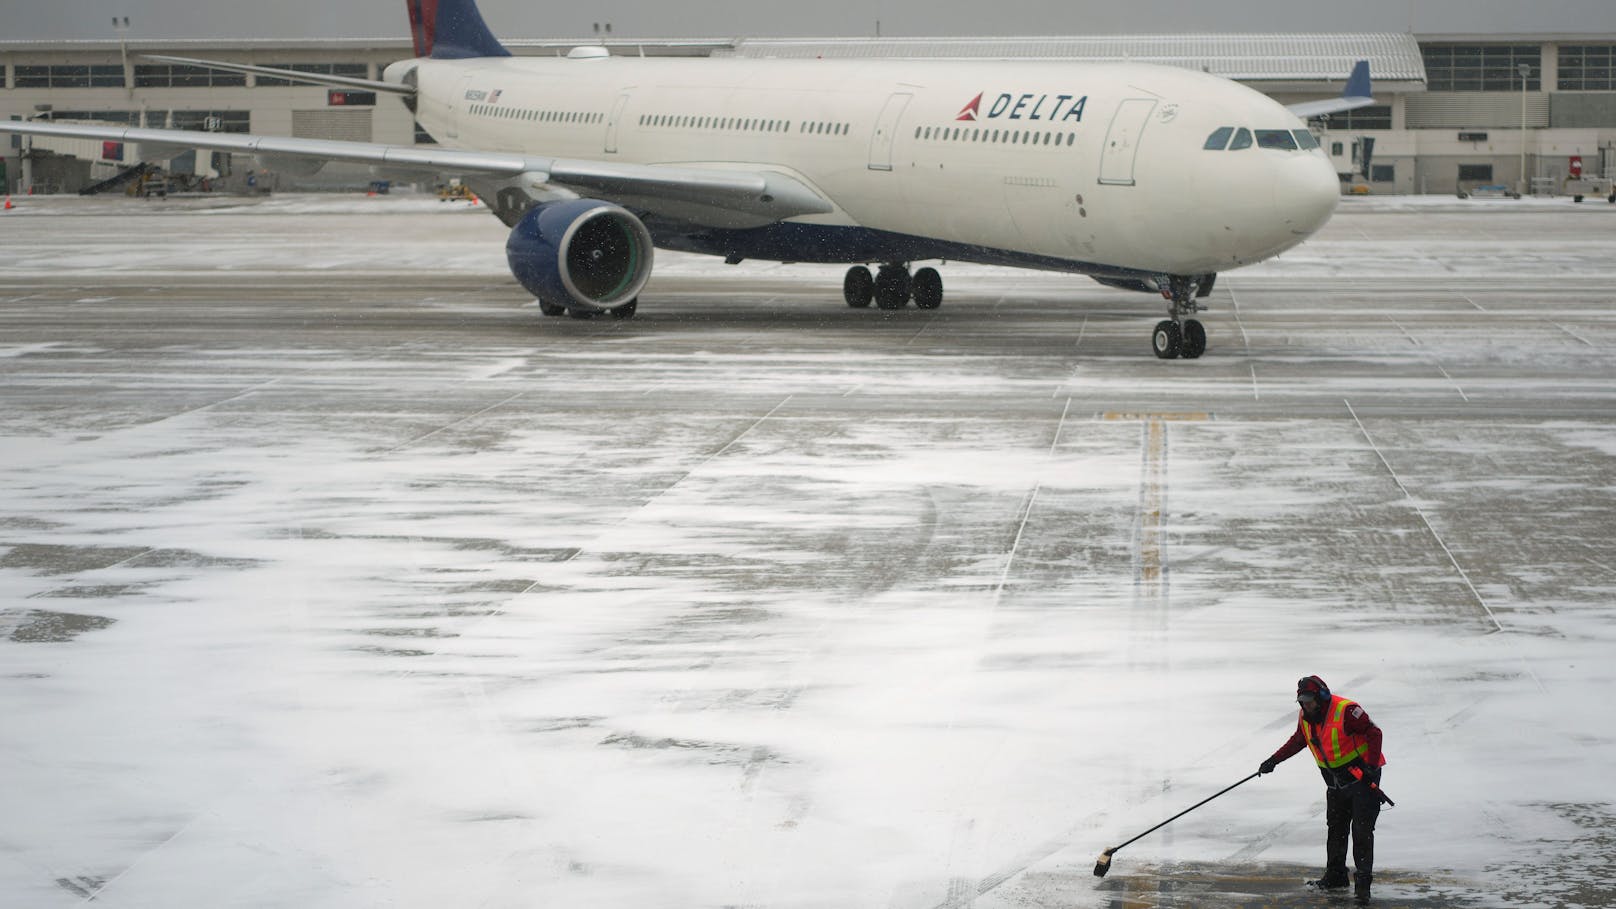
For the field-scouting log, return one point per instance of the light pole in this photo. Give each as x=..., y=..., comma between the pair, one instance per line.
x=120, y=24
x=1525, y=69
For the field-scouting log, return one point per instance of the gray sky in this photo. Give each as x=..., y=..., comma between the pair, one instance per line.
x=46, y=19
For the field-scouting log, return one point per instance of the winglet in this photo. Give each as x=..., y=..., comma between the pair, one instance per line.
x=451, y=30
x=1356, y=95
x=1358, y=82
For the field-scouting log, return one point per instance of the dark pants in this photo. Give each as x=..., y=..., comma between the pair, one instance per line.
x=1351, y=810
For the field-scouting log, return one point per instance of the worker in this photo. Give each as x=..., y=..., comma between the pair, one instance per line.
x=1346, y=744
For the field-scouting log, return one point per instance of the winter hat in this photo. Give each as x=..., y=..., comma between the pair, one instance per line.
x=1312, y=688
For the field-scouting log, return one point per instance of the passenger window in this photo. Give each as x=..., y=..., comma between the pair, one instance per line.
x=1242, y=139
x=1276, y=138
x=1219, y=140
x=1305, y=139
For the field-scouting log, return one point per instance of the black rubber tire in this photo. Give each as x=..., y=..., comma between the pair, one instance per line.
x=552, y=309
x=858, y=288
x=1166, y=340
x=928, y=288
x=892, y=287
x=625, y=311
x=1194, y=343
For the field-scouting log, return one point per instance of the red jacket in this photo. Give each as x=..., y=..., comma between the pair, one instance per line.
x=1356, y=722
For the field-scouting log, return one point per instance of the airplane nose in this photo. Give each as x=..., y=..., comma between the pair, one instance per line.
x=1306, y=193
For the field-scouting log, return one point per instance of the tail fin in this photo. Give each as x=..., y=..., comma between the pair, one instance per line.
x=1358, y=82
x=451, y=30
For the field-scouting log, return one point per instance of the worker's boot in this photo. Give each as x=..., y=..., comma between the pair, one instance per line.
x=1334, y=879
x=1360, y=887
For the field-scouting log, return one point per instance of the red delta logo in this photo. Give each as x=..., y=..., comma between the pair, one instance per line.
x=1028, y=106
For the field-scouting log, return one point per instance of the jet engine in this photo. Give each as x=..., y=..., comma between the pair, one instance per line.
x=582, y=254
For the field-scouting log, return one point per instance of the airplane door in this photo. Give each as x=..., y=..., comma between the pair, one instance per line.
x=611, y=124
x=886, y=129
x=1122, y=141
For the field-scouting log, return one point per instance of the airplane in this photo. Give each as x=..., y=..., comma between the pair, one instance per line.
x=1143, y=177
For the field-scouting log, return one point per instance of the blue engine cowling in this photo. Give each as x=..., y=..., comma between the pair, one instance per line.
x=581, y=254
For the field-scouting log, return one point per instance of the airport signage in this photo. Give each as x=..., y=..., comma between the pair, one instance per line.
x=341, y=97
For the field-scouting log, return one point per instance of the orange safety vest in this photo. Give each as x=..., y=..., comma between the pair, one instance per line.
x=1330, y=743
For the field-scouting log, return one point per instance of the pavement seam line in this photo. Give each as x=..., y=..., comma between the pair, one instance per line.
x=1429, y=528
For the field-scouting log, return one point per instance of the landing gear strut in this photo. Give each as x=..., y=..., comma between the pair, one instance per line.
x=892, y=287
x=1177, y=336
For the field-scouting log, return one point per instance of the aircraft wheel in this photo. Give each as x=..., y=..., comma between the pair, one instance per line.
x=551, y=309
x=1194, y=340
x=928, y=287
x=858, y=288
x=626, y=311
x=1166, y=340
x=892, y=287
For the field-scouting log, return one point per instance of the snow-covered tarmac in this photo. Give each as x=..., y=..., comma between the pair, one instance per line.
x=333, y=574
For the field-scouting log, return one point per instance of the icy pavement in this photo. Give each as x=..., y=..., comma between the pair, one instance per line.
x=332, y=574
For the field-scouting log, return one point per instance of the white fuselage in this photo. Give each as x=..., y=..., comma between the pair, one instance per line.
x=1089, y=167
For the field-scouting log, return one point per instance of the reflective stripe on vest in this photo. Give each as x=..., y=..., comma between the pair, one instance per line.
x=1332, y=747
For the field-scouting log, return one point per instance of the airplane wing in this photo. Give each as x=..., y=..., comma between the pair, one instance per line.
x=717, y=197
x=1355, y=96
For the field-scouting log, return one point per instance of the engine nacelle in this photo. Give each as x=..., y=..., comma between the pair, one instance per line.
x=581, y=254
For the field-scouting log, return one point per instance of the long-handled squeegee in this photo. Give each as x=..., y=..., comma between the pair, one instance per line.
x=1104, y=864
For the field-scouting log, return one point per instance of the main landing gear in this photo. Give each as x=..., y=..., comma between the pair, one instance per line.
x=892, y=287
x=1177, y=336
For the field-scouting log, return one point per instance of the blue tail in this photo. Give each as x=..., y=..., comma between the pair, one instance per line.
x=1358, y=82
x=451, y=30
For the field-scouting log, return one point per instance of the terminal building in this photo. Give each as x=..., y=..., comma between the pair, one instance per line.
x=1526, y=113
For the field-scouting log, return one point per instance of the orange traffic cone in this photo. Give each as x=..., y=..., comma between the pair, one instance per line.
x=8, y=202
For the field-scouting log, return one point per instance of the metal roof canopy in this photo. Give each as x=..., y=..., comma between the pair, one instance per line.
x=1301, y=58
x=1295, y=62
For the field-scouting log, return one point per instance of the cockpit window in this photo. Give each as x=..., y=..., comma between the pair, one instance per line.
x=1219, y=138
x=1242, y=139
x=1305, y=139
x=1276, y=138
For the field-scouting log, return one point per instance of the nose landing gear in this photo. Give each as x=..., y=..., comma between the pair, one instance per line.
x=1177, y=336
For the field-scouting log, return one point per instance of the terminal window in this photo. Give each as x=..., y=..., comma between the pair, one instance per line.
x=1481, y=67
x=351, y=70
x=162, y=75
x=1587, y=67
x=124, y=117
x=1475, y=173
x=1375, y=116
x=78, y=76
